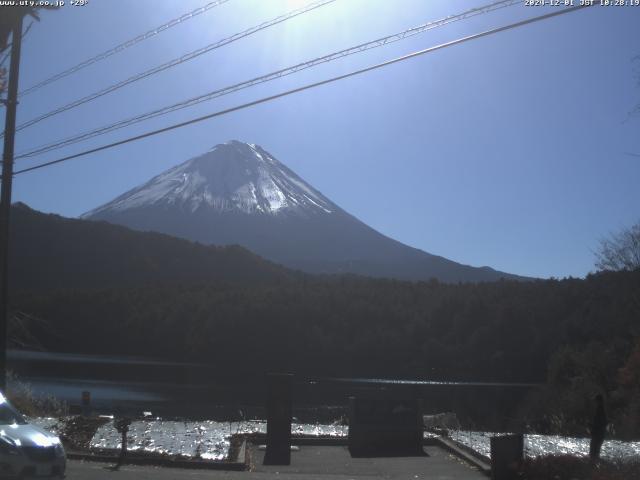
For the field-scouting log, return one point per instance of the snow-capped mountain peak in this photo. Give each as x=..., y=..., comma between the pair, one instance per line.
x=239, y=194
x=233, y=176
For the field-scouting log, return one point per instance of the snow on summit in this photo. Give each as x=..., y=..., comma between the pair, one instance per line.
x=232, y=176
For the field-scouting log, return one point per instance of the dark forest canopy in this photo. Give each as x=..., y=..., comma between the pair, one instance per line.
x=348, y=325
x=580, y=336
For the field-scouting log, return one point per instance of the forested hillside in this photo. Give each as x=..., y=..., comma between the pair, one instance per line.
x=50, y=251
x=492, y=331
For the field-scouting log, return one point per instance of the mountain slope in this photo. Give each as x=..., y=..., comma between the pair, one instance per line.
x=238, y=193
x=49, y=251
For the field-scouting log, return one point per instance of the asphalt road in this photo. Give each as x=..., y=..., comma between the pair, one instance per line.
x=99, y=471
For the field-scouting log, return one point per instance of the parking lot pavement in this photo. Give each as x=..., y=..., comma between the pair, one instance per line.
x=308, y=463
x=99, y=471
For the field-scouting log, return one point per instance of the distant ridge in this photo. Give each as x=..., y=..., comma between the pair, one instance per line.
x=238, y=193
x=52, y=252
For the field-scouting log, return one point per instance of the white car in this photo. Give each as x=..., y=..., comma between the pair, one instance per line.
x=27, y=450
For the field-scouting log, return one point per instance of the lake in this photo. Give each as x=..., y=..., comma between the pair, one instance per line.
x=198, y=391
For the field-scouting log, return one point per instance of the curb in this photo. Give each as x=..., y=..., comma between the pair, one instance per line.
x=453, y=448
x=241, y=463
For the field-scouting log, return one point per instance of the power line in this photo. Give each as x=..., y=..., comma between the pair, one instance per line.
x=176, y=61
x=123, y=46
x=265, y=78
x=268, y=77
x=306, y=87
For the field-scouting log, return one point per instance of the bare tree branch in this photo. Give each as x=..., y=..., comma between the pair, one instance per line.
x=621, y=251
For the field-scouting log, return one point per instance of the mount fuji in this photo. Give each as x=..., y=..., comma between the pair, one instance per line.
x=238, y=193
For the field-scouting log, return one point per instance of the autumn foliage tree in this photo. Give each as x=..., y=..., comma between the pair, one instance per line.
x=629, y=391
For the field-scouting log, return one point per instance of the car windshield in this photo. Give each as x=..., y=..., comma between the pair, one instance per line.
x=9, y=415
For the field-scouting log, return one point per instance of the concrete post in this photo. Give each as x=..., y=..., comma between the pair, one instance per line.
x=5, y=194
x=279, y=393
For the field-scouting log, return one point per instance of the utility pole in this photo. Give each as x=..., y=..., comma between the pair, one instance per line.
x=5, y=196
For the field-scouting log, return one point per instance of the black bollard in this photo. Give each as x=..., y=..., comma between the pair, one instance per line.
x=279, y=391
x=122, y=426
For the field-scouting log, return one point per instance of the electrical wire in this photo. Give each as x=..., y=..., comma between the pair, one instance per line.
x=307, y=87
x=268, y=77
x=176, y=61
x=123, y=46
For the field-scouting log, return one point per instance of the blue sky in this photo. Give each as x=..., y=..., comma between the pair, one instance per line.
x=510, y=151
